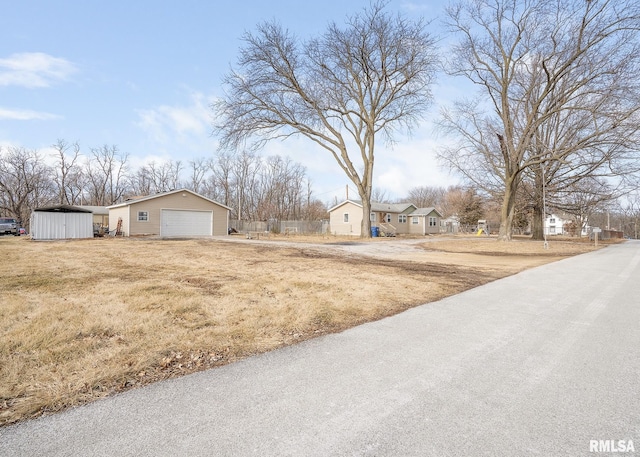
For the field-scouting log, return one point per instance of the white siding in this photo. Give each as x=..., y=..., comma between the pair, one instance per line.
x=59, y=226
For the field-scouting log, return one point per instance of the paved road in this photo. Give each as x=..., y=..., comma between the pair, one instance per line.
x=538, y=364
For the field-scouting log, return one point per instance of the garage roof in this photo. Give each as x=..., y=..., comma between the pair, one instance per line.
x=163, y=194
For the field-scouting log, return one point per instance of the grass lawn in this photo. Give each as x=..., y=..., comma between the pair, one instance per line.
x=83, y=319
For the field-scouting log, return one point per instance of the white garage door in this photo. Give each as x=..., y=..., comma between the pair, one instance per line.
x=174, y=222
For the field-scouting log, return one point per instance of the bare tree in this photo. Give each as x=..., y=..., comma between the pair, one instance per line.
x=379, y=195
x=164, y=176
x=198, y=168
x=68, y=172
x=584, y=199
x=560, y=87
x=341, y=90
x=630, y=215
x=280, y=192
x=425, y=196
x=140, y=182
x=106, y=172
x=244, y=170
x=25, y=183
x=220, y=185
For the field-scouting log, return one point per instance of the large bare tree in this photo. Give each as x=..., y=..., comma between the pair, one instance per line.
x=558, y=84
x=342, y=90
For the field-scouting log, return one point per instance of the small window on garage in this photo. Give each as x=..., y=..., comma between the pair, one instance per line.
x=402, y=218
x=143, y=216
x=414, y=220
x=345, y=217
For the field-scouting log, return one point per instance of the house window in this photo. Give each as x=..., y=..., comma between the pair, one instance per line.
x=345, y=217
x=432, y=221
x=552, y=230
x=388, y=218
x=552, y=220
x=143, y=216
x=372, y=217
x=414, y=220
x=402, y=218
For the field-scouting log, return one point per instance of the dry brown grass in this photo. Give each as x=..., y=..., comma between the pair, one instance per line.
x=83, y=319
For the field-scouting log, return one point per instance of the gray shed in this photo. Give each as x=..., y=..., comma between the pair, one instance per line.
x=61, y=222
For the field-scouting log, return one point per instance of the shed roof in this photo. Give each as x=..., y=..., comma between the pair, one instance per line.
x=62, y=209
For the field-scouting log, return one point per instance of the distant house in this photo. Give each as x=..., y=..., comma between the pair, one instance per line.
x=554, y=225
x=558, y=225
x=390, y=218
x=425, y=221
x=61, y=222
x=346, y=218
x=177, y=213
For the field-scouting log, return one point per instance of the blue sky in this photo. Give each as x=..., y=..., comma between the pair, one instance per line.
x=141, y=74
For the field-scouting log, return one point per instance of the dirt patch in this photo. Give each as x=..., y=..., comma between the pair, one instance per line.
x=83, y=319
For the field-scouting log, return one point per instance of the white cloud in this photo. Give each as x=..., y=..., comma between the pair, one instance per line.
x=164, y=122
x=34, y=69
x=415, y=7
x=26, y=115
x=411, y=163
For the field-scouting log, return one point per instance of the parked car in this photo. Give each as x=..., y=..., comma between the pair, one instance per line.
x=9, y=225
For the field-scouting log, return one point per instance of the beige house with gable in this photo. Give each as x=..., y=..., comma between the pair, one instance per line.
x=425, y=221
x=177, y=213
x=389, y=218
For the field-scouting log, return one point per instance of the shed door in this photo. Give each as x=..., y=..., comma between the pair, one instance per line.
x=176, y=222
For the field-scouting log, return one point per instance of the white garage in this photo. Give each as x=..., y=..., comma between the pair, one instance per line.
x=176, y=223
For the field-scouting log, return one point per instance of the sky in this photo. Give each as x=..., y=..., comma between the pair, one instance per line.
x=141, y=75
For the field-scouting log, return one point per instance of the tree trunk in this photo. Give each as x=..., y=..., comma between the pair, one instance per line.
x=537, y=224
x=365, y=227
x=365, y=188
x=508, y=210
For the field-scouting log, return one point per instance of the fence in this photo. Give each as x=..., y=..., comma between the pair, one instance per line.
x=286, y=227
x=607, y=234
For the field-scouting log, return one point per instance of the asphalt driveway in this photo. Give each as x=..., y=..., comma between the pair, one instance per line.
x=545, y=362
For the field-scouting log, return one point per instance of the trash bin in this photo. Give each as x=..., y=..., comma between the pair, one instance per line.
x=375, y=231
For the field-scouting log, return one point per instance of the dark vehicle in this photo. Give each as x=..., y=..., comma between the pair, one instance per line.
x=9, y=225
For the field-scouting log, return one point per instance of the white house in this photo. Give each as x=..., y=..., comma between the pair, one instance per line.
x=556, y=225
